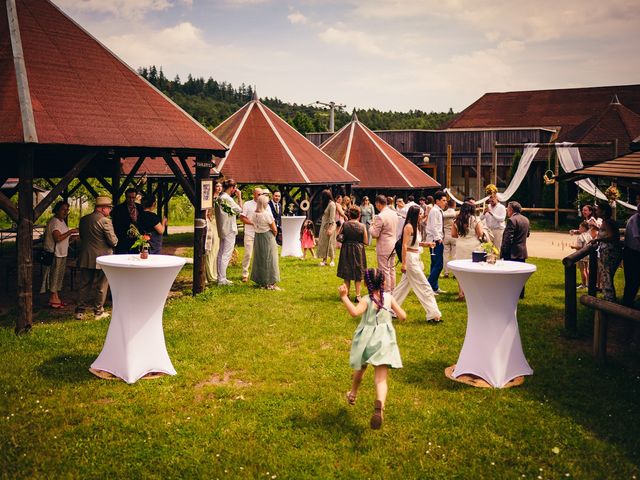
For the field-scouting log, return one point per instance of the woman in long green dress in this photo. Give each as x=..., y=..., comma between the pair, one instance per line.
x=265, y=270
x=327, y=235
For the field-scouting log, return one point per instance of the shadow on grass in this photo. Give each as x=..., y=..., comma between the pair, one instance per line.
x=72, y=368
x=341, y=421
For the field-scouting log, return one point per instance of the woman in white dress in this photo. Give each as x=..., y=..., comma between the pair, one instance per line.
x=448, y=216
x=467, y=230
x=413, y=277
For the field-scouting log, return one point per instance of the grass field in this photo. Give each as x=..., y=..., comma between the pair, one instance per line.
x=260, y=394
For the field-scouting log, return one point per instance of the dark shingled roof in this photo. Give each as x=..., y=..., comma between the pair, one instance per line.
x=81, y=93
x=376, y=163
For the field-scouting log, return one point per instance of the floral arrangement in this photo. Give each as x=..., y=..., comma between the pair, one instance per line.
x=142, y=240
x=612, y=193
x=225, y=207
x=489, y=248
x=490, y=189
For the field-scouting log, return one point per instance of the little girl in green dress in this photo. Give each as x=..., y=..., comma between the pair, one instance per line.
x=374, y=341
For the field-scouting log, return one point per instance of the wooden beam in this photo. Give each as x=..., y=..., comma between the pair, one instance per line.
x=479, y=173
x=103, y=181
x=88, y=186
x=200, y=227
x=24, y=242
x=62, y=184
x=494, y=164
x=556, y=197
x=9, y=207
x=186, y=186
x=130, y=175
x=187, y=170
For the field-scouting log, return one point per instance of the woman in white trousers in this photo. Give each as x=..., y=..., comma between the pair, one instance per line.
x=413, y=277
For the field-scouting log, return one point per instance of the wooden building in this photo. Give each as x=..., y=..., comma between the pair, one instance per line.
x=71, y=109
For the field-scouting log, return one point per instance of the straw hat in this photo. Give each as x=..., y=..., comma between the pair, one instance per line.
x=103, y=201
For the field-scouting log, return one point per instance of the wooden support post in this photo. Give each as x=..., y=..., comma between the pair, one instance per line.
x=600, y=324
x=24, y=240
x=556, y=197
x=203, y=172
x=159, y=202
x=593, y=272
x=570, y=301
x=479, y=174
x=494, y=164
x=448, y=171
x=466, y=181
x=115, y=181
x=167, y=194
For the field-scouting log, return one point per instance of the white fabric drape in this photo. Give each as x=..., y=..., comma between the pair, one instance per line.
x=529, y=153
x=570, y=160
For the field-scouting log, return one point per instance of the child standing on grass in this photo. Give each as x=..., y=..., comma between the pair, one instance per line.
x=307, y=239
x=374, y=341
x=584, y=237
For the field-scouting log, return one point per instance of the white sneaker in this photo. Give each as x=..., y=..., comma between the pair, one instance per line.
x=103, y=315
x=323, y=264
x=225, y=282
x=79, y=315
x=439, y=291
x=332, y=264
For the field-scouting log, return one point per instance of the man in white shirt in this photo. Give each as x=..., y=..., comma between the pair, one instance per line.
x=494, y=216
x=248, y=209
x=435, y=234
x=227, y=226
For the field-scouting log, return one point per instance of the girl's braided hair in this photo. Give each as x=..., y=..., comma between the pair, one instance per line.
x=375, y=281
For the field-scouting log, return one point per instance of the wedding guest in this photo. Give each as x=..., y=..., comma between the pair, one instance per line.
x=467, y=230
x=327, y=234
x=584, y=237
x=401, y=212
x=413, y=277
x=307, y=239
x=435, y=234
x=248, y=209
x=265, y=270
x=340, y=213
x=374, y=341
x=383, y=230
x=514, y=239
x=353, y=262
x=494, y=216
x=150, y=223
x=631, y=255
x=449, y=252
x=410, y=202
x=391, y=203
x=588, y=215
x=367, y=213
x=212, y=241
x=97, y=238
x=610, y=251
x=276, y=210
x=226, y=211
x=125, y=215
x=56, y=241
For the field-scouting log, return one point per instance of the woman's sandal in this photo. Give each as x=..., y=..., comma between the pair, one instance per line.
x=351, y=398
x=376, y=418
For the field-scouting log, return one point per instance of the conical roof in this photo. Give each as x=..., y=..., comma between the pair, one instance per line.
x=59, y=85
x=376, y=163
x=263, y=148
x=614, y=122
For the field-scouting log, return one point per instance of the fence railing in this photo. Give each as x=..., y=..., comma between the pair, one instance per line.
x=570, y=299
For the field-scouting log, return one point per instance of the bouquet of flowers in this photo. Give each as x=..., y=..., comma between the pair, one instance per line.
x=142, y=240
x=225, y=207
x=490, y=189
x=489, y=248
x=612, y=193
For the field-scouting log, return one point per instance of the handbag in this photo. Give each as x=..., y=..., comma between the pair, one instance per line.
x=45, y=258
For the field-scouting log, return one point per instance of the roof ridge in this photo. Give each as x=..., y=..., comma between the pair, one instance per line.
x=369, y=133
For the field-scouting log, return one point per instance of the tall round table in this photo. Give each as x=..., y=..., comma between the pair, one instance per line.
x=492, y=349
x=135, y=345
x=291, y=226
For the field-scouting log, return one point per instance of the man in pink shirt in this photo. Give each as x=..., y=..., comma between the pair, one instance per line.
x=383, y=230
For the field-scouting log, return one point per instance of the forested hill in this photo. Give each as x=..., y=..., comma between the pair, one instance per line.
x=210, y=102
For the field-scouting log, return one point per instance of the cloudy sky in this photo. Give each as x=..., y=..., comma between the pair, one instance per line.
x=386, y=54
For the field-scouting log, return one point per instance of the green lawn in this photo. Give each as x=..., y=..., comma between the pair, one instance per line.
x=260, y=394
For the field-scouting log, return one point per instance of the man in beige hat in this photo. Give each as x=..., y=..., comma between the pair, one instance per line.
x=96, y=238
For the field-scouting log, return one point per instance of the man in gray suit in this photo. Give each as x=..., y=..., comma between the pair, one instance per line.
x=514, y=239
x=96, y=238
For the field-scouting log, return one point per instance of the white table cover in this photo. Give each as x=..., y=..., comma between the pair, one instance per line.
x=291, y=226
x=135, y=343
x=492, y=349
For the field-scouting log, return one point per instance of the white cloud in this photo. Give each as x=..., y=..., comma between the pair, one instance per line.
x=134, y=9
x=297, y=17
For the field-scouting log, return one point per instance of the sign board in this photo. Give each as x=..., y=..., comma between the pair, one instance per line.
x=206, y=194
x=204, y=164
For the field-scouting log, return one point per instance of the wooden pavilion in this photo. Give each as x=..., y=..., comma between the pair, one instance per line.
x=380, y=167
x=72, y=109
x=264, y=149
